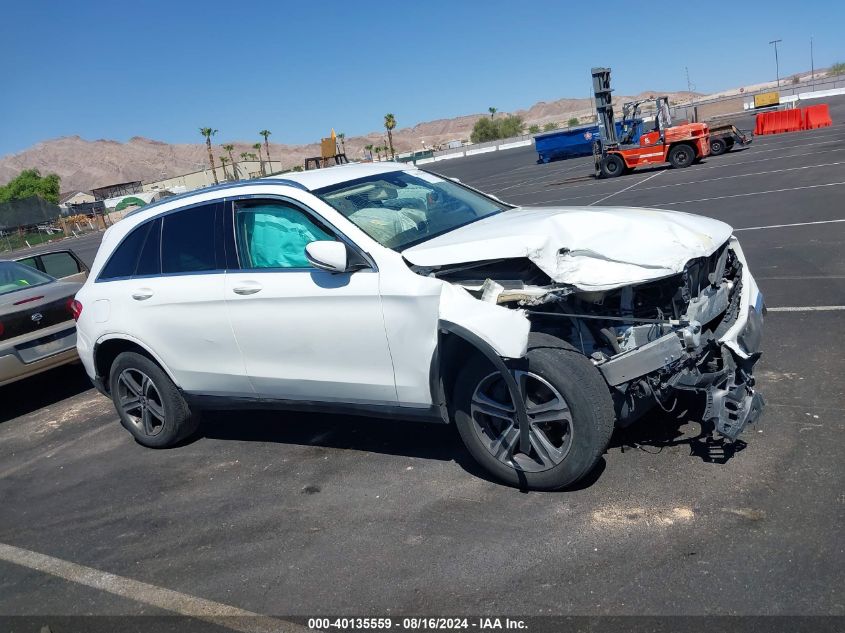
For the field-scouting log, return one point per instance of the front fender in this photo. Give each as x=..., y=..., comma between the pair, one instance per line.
x=504, y=330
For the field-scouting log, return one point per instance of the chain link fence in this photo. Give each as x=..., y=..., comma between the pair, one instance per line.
x=33, y=221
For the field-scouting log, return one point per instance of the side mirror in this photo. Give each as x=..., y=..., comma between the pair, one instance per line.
x=327, y=255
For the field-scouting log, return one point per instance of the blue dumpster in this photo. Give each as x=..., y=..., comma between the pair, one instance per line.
x=576, y=141
x=568, y=143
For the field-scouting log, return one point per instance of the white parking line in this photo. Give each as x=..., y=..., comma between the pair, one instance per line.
x=807, y=309
x=551, y=174
x=753, y=193
x=798, y=277
x=697, y=169
x=784, y=226
x=756, y=173
x=167, y=599
x=615, y=193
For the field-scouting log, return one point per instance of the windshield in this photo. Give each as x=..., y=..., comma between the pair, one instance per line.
x=14, y=276
x=403, y=208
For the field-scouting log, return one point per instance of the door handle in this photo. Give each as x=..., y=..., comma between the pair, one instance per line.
x=247, y=290
x=142, y=294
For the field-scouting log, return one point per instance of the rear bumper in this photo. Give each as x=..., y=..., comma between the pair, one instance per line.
x=54, y=347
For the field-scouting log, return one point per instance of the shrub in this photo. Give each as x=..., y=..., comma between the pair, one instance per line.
x=493, y=129
x=573, y=122
x=838, y=68
x=533, y=129
x=548, y=127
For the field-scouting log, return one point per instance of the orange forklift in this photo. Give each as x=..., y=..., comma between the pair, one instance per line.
x=634, y=142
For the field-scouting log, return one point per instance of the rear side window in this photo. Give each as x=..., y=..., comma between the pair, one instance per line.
x=124, y=260
x=60, y=265
x=149, y=259
x=188, y=240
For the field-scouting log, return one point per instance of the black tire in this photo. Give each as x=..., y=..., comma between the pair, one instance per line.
x=558, y=367
x=681, y=155
x=717, y=147
x=148, y=403
x=612, y=165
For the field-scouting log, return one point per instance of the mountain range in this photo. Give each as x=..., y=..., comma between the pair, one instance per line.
x=85, y=164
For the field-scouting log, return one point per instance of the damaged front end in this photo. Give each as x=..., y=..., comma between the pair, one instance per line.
x=697, y=331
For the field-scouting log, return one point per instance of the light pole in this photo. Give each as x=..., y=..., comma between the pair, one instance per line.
x=812, y=65
x=777, y=66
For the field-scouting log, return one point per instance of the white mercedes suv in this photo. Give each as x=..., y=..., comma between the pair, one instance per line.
x=386, y=290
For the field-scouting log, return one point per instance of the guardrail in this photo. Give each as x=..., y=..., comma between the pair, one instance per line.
x=480, y=148
x=810, y=85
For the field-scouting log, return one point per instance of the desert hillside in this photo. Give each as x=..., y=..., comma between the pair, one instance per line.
x=84, y=164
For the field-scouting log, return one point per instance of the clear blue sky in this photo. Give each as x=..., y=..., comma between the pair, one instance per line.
x=162, y=69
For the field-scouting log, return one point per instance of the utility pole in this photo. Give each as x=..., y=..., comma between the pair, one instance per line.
x=812, y=65
x=777, y=66
x=690, y=88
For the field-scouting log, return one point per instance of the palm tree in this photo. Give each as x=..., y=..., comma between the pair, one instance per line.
x=229, y=148
x=342, y=138
x=245, y=157
x=265, y=134
x=389, y=124
x=377, y=150
x=492, y=111
x=224, y=161
x=208, y=132
x=257, y=148
x=369, y=149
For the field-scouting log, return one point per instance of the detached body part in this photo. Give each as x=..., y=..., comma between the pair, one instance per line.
x=390, y=291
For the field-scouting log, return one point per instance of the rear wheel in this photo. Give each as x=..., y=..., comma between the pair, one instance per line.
x=569, y=410
x=148, y=403
x=612, y=165
x=681, y=156
x=717, y=147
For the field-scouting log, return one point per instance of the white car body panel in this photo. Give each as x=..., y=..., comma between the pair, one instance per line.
x=183, y=321
x=414, y=308
x=750, y=297
x=605, y=248
x=304, y=333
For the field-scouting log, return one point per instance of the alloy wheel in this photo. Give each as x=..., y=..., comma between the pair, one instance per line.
x=549, y=421
x=140, y=401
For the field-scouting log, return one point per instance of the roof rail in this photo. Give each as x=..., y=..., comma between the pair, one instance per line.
x=221, y=187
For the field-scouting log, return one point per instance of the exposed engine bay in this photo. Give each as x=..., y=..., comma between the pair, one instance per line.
x=651, y=340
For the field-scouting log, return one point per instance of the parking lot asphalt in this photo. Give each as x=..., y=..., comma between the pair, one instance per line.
x=301, y=514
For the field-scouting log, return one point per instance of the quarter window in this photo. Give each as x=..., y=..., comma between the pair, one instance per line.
x=274, y=235
x=123, y=261
x=188, y=240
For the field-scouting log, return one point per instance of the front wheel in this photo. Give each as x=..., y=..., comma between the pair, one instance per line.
x=612, y=165
x=570, y=416
x=681, y=156
x=148, y=403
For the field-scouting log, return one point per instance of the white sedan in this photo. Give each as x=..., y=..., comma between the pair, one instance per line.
x=387, y=290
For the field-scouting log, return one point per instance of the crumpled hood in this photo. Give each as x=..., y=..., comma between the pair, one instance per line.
x=591, y=248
